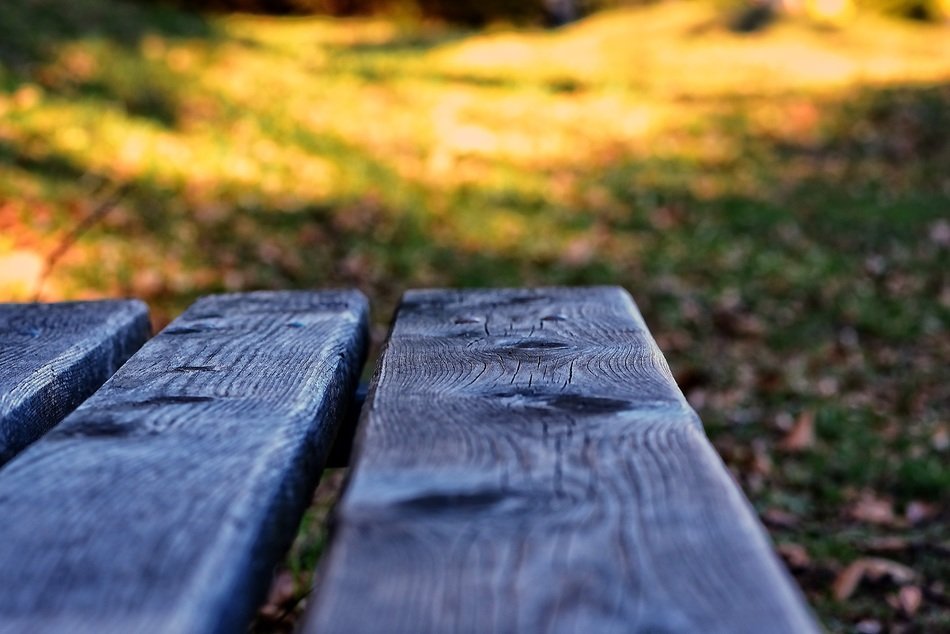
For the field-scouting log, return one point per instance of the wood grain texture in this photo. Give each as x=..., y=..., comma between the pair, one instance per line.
x=53, y=356
x=526, y=463
x=162, y=503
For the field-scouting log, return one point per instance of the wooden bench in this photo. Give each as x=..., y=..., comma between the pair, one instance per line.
x=524, y=462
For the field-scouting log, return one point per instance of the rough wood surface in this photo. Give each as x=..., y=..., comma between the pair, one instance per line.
x=162, y=503
x=53, y=356
x=526, y=463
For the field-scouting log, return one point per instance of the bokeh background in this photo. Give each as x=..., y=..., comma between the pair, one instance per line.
x=770, y=181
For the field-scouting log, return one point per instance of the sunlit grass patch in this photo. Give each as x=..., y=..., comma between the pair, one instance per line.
x=776, y=202
x=684, y=48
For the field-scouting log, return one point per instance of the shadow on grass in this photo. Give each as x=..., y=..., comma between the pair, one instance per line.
x=800, y=272
x=88, y=49
x=30, y=31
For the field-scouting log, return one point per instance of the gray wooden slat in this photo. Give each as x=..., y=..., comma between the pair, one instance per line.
x=53, y=356
x=162, y=503
x=526, y=463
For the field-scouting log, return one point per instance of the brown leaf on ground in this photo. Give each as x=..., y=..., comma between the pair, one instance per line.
x=794, y=555
x=282, y=592
x=871, y=509
x=889, y=543
x=847, y=581
x=909, y=598
x=733, y=323
x=872, y=569
x=779, y=518
x=802, y=435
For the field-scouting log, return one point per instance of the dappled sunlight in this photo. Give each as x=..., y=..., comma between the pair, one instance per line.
x=20, y=273
x=473, y=133
x=684, y=48
x=295, y=151
x=775, y=200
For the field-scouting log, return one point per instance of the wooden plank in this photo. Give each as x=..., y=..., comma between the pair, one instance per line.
x=162, y=503
x=53, y=356
x=525, y=462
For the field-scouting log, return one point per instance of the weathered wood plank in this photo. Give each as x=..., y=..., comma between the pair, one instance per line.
x=53, y=356
x=162, y=503
x=525, y=462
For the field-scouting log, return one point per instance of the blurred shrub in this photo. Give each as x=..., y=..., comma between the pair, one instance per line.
x=474, y=12
x=479, y=12
x=936, y=10
x=482, y=11
x=281, y=7
x=464, y=11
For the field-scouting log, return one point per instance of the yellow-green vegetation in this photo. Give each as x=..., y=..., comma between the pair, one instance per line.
x=777, y=202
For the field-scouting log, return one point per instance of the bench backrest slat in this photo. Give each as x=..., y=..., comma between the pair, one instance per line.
x=161, y=504
x=53, y=356
x=526, y=462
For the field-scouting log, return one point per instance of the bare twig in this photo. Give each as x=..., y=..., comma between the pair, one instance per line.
x=97, y=213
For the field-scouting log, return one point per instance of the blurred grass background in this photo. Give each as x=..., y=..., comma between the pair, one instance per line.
x=774, y=191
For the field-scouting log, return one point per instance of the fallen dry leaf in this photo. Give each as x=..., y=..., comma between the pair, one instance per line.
x=873, y=569
x=910, y=598
x=890, y=543
x=847, y=581
x=779, y=518
x=872, y=509
x=730, y=320
x=802, y=435
x=795, y=555
x=281, y=593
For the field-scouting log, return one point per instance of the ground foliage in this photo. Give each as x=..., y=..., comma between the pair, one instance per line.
x=471, y=12
x=776, y=202
x=480, y=12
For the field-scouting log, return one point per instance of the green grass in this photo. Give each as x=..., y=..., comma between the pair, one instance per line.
x=777, y=204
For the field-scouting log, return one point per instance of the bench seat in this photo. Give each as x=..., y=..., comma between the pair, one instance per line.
x=524, y=462
x=162, y=503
